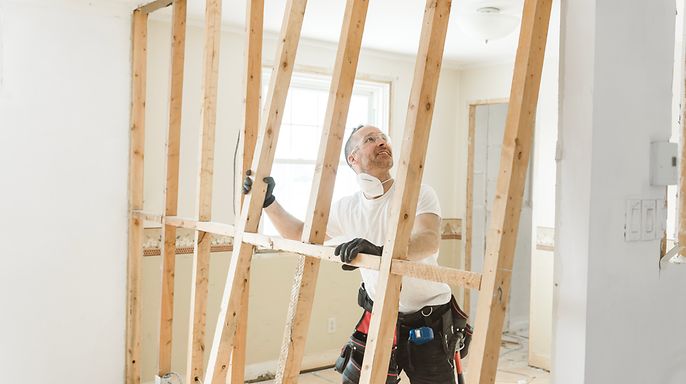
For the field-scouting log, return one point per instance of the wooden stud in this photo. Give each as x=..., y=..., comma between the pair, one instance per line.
x=200, y=272
x=239, y=268
x=135, y=258
x=404, y=204
x=469, y=225
x=466, y=279
x=205, y=226
x=399, y=267
x=436, y=273
x=154, y=6
x=681, y=235
x=253, y=85
x=253, y=58
x=514, y=161
x=171, y=186
x=314, y=230
x=148, y=216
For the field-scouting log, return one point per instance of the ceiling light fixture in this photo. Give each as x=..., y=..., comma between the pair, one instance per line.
x=488, y=23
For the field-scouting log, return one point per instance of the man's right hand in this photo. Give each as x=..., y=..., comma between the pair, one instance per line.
x=269, y=196
x=349, y=251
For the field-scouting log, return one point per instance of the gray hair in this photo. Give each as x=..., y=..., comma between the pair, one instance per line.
x=349, y=144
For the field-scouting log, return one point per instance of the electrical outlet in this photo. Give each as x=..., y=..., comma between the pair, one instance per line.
x=331, y=325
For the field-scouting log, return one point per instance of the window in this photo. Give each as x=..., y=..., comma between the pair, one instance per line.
x=300, y=134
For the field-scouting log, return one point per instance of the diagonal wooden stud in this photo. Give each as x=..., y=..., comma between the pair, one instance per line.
x=171, y=190
x=239, y=268
x=314, y=230
x=253, y=83
x=504, y=223
x=201, y=256
x=139, y=33
x=404, y=204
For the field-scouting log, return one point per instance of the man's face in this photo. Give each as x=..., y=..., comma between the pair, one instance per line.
x=371, y=151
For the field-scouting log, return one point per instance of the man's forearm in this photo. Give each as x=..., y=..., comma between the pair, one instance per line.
x=422, y=245
x=288, y=226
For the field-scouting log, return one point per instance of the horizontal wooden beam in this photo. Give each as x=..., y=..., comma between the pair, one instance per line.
x=154, y=6
x=212, y=227
x=220, y=228
x=148, y=216
x=400, y=267
x=437, y=273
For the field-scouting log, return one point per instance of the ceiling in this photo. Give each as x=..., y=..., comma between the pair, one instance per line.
x=391, y=26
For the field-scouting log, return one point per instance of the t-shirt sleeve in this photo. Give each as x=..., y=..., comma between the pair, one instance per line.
x=333, y=227
x=428, y=201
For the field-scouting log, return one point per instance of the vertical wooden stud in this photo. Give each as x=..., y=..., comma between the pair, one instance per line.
x=136, y=151
x=514, y=161
x=469, y=224
x=171, y=190
x=200, y=273
x=404, y=204
x=239, y=269
x=681, y=236
x=314, y=230
x=253, y=85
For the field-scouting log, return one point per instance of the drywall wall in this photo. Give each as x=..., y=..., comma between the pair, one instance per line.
x=543, y=200
x=617, y=316
x=336, y=294
x=64, y=118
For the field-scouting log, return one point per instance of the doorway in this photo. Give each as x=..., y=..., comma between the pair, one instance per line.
x=486, y=131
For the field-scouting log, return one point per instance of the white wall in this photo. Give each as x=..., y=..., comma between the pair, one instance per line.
x=615, y=311
x=64, y=129
x=543, y=191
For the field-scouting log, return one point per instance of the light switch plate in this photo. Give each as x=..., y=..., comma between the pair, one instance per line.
x=633, y=225
x=648, y=220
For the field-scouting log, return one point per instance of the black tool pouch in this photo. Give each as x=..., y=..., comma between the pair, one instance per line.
x=459, y=328
x=349, y=363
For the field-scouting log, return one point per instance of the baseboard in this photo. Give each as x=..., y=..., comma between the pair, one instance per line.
x=519, y=325
x=267, y=369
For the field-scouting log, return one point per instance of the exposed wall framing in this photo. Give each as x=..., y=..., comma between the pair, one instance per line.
x=228, y=347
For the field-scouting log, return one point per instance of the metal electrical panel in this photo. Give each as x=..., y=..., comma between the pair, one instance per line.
x=663, y=163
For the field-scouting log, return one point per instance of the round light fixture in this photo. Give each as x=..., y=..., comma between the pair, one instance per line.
x=488, y=23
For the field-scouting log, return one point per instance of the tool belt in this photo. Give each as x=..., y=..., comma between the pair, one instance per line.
x=349, y=363
x=448, y=319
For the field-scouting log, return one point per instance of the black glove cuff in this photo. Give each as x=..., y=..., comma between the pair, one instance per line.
x=268, y=201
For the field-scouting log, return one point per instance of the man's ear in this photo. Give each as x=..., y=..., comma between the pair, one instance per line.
x=351, y=159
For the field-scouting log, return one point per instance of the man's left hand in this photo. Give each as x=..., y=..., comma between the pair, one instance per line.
x=349, y=251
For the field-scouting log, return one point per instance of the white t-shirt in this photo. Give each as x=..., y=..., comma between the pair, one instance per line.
x=356, y=216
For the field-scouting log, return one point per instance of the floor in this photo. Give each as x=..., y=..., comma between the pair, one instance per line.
x=512, y=367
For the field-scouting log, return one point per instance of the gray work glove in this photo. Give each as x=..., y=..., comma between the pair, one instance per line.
x=348, y=251
x=269, y=197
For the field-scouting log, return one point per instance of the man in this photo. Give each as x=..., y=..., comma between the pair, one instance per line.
x=426, y=334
